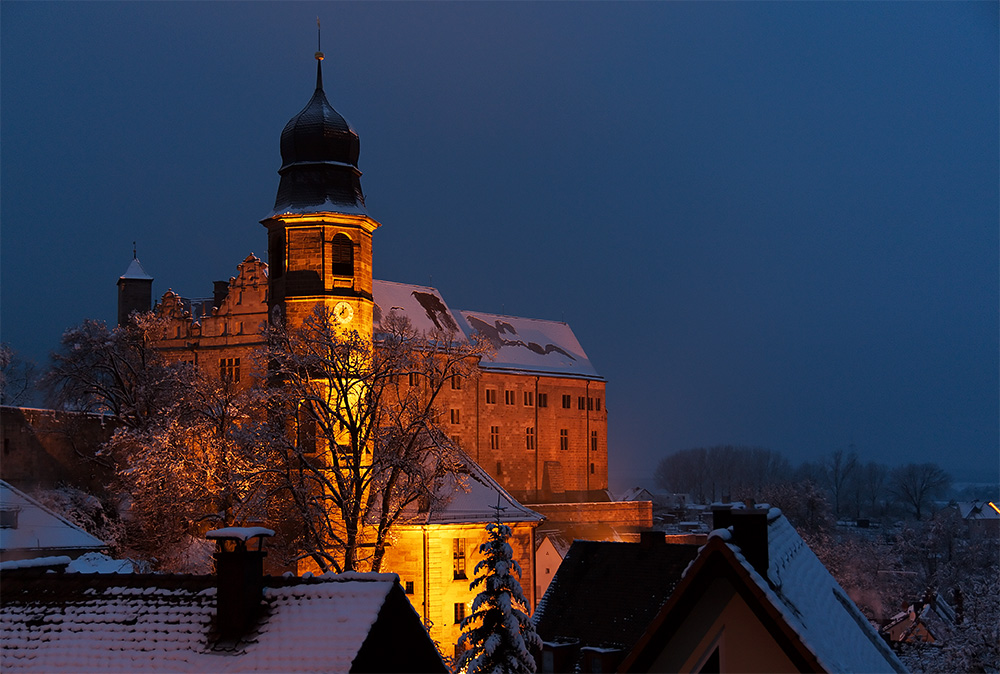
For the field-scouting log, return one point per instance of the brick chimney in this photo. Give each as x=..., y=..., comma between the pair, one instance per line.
x=239, y=568
x=750, y=534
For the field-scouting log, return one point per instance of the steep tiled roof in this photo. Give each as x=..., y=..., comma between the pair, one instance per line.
x=76, y=623
x=605, y=594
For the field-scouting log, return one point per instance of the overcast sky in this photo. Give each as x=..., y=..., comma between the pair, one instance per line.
x=769, y=224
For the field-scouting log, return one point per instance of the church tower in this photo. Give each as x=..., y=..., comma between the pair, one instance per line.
x=135, y=291
x=319, y=233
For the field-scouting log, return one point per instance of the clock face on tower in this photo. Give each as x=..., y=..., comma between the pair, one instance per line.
x=343, y=312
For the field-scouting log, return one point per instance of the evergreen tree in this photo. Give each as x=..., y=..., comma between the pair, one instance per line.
x=498, y=635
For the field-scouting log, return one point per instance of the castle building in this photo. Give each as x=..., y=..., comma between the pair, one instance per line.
x=534, y=420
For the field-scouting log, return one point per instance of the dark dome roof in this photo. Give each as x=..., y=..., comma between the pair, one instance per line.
x=319, y=160
x=319, y=133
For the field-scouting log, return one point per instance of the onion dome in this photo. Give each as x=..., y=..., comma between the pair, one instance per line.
x=319, y=160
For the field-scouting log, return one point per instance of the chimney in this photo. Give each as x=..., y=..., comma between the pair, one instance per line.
x=239, y=568
x=722, y=515
x=750, y=534
x=649, y=539
x=220, y=290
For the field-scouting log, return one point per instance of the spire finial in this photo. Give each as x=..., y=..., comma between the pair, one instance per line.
x=319, y=48
x=319, y=59
x=134, y=256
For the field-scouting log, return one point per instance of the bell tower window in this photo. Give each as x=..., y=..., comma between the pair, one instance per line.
x=341, y=256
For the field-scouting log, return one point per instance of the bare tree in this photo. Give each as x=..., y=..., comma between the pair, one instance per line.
x=838, y=469
x=723, y=472
x=915, y=485
x=16, y=377
x=351, y=440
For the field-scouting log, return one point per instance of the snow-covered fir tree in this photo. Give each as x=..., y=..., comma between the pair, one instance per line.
x=498, y=636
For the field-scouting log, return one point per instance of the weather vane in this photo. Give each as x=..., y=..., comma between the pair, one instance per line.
x=319, y=48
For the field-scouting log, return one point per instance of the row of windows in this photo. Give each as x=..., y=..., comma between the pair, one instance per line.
x=529, y=398
x=529, y=438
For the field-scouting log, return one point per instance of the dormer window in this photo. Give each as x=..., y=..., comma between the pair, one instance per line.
x=341, y=256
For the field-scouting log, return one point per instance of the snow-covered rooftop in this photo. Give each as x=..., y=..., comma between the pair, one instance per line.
x=162, y=624
x=39, y=530
x=815, y=606
x=521, y=344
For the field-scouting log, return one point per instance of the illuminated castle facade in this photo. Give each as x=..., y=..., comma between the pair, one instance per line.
x=535, y=420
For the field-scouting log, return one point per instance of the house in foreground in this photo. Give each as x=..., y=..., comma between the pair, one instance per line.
x=756, y=599
x=29, y=530
x=237, y=621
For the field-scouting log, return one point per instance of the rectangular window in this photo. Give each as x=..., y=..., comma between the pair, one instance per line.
x=409, y=587
x=563, y=438
x=543, y=399
x=491, y=396
x=412, y=378
x=458, y=558
x=454, y=416
x=593, y=440
x=529, y=437
x=508, y=397
x=456, y=382
x=229, y=369
x=8, y=518
x=499, y=468
x=567, y=401
x=591, y=469
x=590, y=403
x=581, y=403
x=529, y=398
x=494, y=437
x=597, y=404
x=459, y=613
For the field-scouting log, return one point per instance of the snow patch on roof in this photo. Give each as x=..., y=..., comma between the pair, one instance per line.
x=135, y=271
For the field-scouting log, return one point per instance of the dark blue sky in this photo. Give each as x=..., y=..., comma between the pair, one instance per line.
x=767, y=223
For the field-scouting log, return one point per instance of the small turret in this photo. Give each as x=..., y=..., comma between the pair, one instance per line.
x=135, y=290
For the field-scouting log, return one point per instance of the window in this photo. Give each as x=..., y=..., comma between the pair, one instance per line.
x=341, y=256
x=306, y=430
x=508, y=397
x=458, y=558
x=567, y=401
x=591, y=469
x=590, y=403
x=529, y=437
x=529, y=398
x=597, y=404
x=459, y=612
x=543, y=399
x=8, y=518
x=454, y=416
x=593, y=440
x=494, y=437
x=563, y=438
x=499, y=468
x=456, y=382
x=412, y=378
x=491, y=396
x=229, y=369
x=581, y=403
x=409, y=587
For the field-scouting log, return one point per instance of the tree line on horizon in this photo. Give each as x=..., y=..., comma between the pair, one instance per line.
x=854, y=488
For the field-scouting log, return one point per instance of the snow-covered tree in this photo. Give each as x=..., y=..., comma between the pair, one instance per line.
x=16, y=377
x=352, y=438
x=498, y=637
